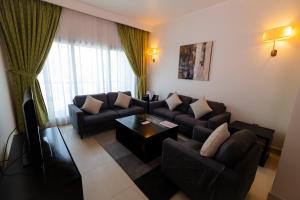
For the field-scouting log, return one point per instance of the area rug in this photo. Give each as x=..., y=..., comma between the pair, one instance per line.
x=156, y=186
x=147, y=176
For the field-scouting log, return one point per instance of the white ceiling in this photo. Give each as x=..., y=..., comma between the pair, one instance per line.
x=151, y=12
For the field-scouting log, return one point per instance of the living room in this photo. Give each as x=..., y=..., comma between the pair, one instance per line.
x=92, y=47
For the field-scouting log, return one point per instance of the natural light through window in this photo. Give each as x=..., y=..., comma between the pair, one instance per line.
x=74, y=69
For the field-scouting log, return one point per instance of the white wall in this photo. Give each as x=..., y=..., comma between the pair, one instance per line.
x=7, y=122
x=287, y=181
x=255, y=87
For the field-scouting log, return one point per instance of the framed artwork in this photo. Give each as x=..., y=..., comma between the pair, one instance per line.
x=194, y=61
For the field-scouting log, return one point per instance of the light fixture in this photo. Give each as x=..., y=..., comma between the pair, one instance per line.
x=153, y=52
x=275, y=34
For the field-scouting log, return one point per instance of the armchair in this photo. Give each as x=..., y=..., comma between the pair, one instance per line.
x=227, y=176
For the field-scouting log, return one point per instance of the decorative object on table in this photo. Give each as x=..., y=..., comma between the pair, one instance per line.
x=264, y=137
x=279, y=33
x=194, y=61
x=155, y=97
x=149, y=93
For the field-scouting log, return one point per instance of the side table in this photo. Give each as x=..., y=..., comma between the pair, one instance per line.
x=264, y=137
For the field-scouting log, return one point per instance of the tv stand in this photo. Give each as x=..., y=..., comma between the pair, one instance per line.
x=60, y=180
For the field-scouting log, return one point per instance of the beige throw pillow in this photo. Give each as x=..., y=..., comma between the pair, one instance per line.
x=122, y=100
x=92, y=105
x=173, y=101
x=215, y=140
x=200, y=107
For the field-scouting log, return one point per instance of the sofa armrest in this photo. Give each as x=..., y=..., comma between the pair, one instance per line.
x=155, y=104
x=140, y=103
x=201, y=133
x=76, y=117
x=217, y=120
x=197, y=174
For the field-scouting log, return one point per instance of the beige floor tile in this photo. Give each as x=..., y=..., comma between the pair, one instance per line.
x=132, y=193
x=87, y=153
x=264, y=180
x=105, y=182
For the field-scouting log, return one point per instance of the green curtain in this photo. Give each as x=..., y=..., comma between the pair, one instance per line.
x=135, y=43
x=27, y=31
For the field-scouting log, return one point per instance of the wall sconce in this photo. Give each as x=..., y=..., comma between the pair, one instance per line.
x=275, y=34
x=153, y=52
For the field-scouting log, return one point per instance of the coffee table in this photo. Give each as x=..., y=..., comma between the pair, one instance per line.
x=144, y=140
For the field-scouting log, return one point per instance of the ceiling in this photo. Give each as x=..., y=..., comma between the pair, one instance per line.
x=152, y=12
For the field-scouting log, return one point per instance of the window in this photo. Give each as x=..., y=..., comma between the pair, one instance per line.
x=74, y=69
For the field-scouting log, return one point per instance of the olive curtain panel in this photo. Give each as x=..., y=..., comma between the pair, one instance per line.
x=135, y=43
x=27, y=31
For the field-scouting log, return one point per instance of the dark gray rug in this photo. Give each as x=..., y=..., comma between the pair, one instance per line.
x=130, y=163
x=147, y=176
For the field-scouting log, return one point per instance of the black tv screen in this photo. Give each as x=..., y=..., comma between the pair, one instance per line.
x=33, y=142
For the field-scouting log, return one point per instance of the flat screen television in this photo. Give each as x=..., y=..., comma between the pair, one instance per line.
x=33, y=146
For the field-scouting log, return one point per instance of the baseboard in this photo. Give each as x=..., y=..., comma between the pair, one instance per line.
x=275, y=150
x=272, y=196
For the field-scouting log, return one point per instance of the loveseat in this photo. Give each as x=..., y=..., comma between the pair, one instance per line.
x=228, y=175
x=184, y=116
x=86, y=123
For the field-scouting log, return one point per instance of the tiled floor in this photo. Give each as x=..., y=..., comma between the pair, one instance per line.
x=104, y=179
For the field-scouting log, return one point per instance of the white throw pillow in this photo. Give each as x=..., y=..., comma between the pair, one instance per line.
x=92, y=105
x=200, y=107
x=122, y=100
x=173, y=101
x=215, y=140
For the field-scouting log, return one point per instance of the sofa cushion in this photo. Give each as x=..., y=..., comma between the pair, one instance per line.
x=122, y=100
x=112, y=96
x=217, y=108
x=189, y=120
x=193, y=144
x=80, y=99
x=101, y=117
x=214, y=141
x=173, y=101
x=235, y=148
x=186, y=101
x=132, y=110
x=166, y=113
x=200, y=108
x=92, y=105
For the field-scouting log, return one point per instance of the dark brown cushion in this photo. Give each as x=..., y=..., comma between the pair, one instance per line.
x=235, y=148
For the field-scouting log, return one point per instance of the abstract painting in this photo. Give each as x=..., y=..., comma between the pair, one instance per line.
x=194, y=61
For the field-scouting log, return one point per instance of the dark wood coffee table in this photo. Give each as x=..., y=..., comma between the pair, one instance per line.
x=144, y=140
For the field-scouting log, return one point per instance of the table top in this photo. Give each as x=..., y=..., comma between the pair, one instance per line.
x=258, y=130
x=135, y=124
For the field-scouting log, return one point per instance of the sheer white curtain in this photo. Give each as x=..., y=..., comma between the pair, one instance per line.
x=85, y=58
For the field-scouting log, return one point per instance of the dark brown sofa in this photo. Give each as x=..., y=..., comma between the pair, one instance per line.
x=86, y=123
x=184, y=116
